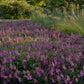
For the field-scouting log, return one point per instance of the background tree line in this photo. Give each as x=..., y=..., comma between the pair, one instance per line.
x=24, y=9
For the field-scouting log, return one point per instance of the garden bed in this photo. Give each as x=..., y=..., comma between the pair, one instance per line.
x=31, y=54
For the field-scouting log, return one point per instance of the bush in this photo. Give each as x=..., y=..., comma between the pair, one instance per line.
x=18, y=10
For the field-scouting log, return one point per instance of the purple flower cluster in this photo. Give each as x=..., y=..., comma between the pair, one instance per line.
x=34, y=54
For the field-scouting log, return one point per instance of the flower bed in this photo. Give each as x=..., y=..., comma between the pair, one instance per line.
x=32, y=54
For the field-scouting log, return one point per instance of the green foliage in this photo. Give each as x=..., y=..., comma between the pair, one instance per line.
x=17, y=10
x=65, y=23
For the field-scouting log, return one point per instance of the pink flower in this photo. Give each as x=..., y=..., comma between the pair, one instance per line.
x=83, y=66
x=24, y=66
x=53, y=80
x=23, y=61
x=34, y=71
x=58, y=71
x=11, y=66
x=4, y=61
x=25, y=76
x=80, y=53
x=77, y=57
x=28, y=57
x=72, y=64
x=14, y=67
x=35, y=81
x=29, y=77
x=10, y=76
x=2, y=75
x=53, y=64
x=76, y=79
x=5, y=77
x=58, y=77
x=82, y=73
x=66, y=82
x=68, y=78
x=61, y=75
x=45, y=78
x=64, y=67
x=17, y=72
x=10, y=60
x=24, y=72
x=0, y=42
x=38, y=74
x=70, y=82
x=15, y=75
x=42, y=57
x=41, y=71
x=72, y=70
x=5, y=82
x=16, y=52
x=19, y=79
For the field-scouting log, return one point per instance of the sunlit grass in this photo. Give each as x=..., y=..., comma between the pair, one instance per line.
x=66, y=23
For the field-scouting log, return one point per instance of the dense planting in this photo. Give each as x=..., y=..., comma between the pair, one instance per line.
x=33, y=54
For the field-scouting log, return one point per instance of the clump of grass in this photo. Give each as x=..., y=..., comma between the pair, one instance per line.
x=66, y=23
x=46, y=21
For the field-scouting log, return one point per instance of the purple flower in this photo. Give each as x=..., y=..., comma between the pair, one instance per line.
x=53, y=80
x=42, y=57
x=64, y=67
x=72, y=64
x=16, y=52
x=45, y=78
x=17, y=72
x=4, y=61
x=53, y=64
x=29, y=77
x=24, y=66
x=76, y=79
x=58, y=71
x=10, y=60
x=19, y=79
x=66, y=82
x=11, y=66
x=82, y=73
x=10, y=76
x=38, y=74
x=14, y=67
x=5, y=77
x=41, y=71
x=2, y=75
x=61, y=75
x=80, y=53
x=72, y=70
x=35, y=81
x=34, y=71
x=25, y=76
x=70, y=82
x=23, y=61
x=16, y=75
x=5, y=82
x=24, y=72
x=83, y=66
x=28, y=57
x=68, y=78
x=58, y=78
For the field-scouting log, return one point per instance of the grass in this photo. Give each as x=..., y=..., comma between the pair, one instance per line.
x=12, y=19
x=67, y=23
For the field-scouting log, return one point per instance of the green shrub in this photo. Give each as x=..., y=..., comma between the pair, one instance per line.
x=17, y=10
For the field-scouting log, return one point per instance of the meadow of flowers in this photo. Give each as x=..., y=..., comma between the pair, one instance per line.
x=31, y=54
